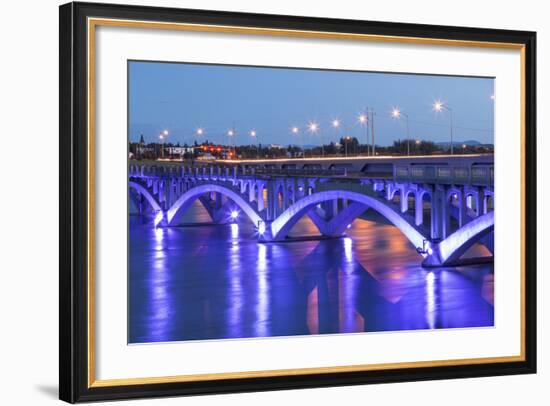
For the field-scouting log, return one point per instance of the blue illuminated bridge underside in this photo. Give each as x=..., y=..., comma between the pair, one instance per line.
x=443, y=205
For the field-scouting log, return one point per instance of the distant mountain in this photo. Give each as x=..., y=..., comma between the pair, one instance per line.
x=468, y=142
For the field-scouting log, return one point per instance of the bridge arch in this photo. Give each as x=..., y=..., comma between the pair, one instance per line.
x=189, y=197
x=455, y=245
x=145, y=192
x=282, y=225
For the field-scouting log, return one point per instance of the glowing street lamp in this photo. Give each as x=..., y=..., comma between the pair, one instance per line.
x=313, y=127
x=439, y=106
x=335, y=123
x=295, y=131
x=397, y=114
x=254, y=135
x=363, y=119
x=346, y=140
x=162, y=136
x=231, y=134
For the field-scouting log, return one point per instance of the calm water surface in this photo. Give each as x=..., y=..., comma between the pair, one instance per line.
x=215, y=281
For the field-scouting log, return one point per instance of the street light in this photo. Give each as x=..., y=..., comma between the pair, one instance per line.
x=313, y=127
x=295, y=131
x=346, y=140
x=397, y=114
x=162, y=136
x=230, y=134
x=335, y=124
x=254, y=135
x=362, y=121
x=440, y=106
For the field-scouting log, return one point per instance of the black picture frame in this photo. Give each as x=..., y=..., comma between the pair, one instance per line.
x=74, y=202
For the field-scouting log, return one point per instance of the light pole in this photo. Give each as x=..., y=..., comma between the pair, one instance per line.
x=336, y=125
x=438, y=107
x=162, y=137
x=363, y=118
x=199, y=132
x=346, y=140
x=313, y=128
x=254, y=135
x=295, y=131
x=396, y=113
x=230, y=135
x=373, y=148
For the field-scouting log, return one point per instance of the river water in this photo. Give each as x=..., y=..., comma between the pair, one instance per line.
x=204, y=281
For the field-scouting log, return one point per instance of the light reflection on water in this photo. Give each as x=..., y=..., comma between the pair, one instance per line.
x=216, y=281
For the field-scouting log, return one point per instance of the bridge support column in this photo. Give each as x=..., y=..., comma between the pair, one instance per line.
x=446, y=217
x=166, y=194
x=271, y=201
x=330, y=208
x=171, y=192
x=403, y=198
x=260, y=196
x=160, y=188
x=462, y=213
x=251, y=191
x=438, y=198
x=286, y=197
x=418, y=208
x=480, y=202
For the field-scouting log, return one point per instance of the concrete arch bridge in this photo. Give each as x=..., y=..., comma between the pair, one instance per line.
x=442, y=209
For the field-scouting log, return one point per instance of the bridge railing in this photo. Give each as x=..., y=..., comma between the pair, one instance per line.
x=477, y=174
x=482, y=175
x=346, y=186
x=296, y=172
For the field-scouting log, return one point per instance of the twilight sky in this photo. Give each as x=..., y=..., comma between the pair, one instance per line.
x=183, y=97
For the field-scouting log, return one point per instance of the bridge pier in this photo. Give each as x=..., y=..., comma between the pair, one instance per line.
x=260, y=196
x=419, y=207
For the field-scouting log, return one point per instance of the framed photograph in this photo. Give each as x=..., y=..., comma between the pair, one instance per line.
x=255, y=202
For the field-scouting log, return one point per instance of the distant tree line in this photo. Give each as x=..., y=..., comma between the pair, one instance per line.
x=347, y=146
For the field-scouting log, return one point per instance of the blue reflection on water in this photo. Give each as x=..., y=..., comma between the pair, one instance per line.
x=216, y=281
